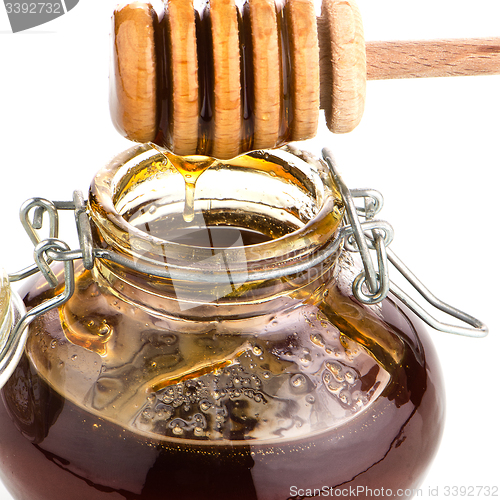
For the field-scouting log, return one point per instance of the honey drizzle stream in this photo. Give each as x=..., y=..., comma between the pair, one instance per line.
x=190, y=167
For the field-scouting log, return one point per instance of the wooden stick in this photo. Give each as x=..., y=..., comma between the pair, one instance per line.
x=433, y=58
x=271, y=96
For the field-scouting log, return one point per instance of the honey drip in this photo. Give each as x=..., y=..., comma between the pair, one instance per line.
x=190, y=167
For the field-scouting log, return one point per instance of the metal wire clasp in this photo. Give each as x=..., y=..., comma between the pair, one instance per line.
x=372, y=285
x=12, y=349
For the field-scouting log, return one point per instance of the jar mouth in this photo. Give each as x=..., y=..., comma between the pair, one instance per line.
x=251, y=213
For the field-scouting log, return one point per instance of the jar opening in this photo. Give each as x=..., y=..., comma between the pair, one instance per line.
x=267, y=205
x=253, y=215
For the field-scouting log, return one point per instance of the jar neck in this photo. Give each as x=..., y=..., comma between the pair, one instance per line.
x=210, y=266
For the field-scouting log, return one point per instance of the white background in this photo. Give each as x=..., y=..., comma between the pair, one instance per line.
x=431, y=146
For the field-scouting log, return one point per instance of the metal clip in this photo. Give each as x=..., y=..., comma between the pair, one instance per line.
x=477, y=328
x=377, y=281
x=45, y=255
x=84, y=231
x=41, y=206
x=14, y=345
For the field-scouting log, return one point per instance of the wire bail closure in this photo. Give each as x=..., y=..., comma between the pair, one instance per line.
x=377, y=282
x=361, y=233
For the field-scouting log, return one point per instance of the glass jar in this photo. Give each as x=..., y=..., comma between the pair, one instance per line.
x=224, y=357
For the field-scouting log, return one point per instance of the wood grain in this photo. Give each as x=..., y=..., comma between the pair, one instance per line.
x=133, y=100
x=327, y=58
x=304, y=52
x=432, y=58
x=185, y=77
x=266, y=63
x=343, y=64
x=227, y=122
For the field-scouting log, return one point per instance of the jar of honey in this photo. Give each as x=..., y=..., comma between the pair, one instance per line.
x=222, y=354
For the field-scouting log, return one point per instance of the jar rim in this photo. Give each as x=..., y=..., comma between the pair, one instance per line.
x=118, y=233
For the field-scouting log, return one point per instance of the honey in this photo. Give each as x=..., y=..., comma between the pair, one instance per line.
x=72, y=447
x=190, y=168
x=218, y=379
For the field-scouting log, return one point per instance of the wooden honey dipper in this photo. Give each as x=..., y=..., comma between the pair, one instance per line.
x=223, y=79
